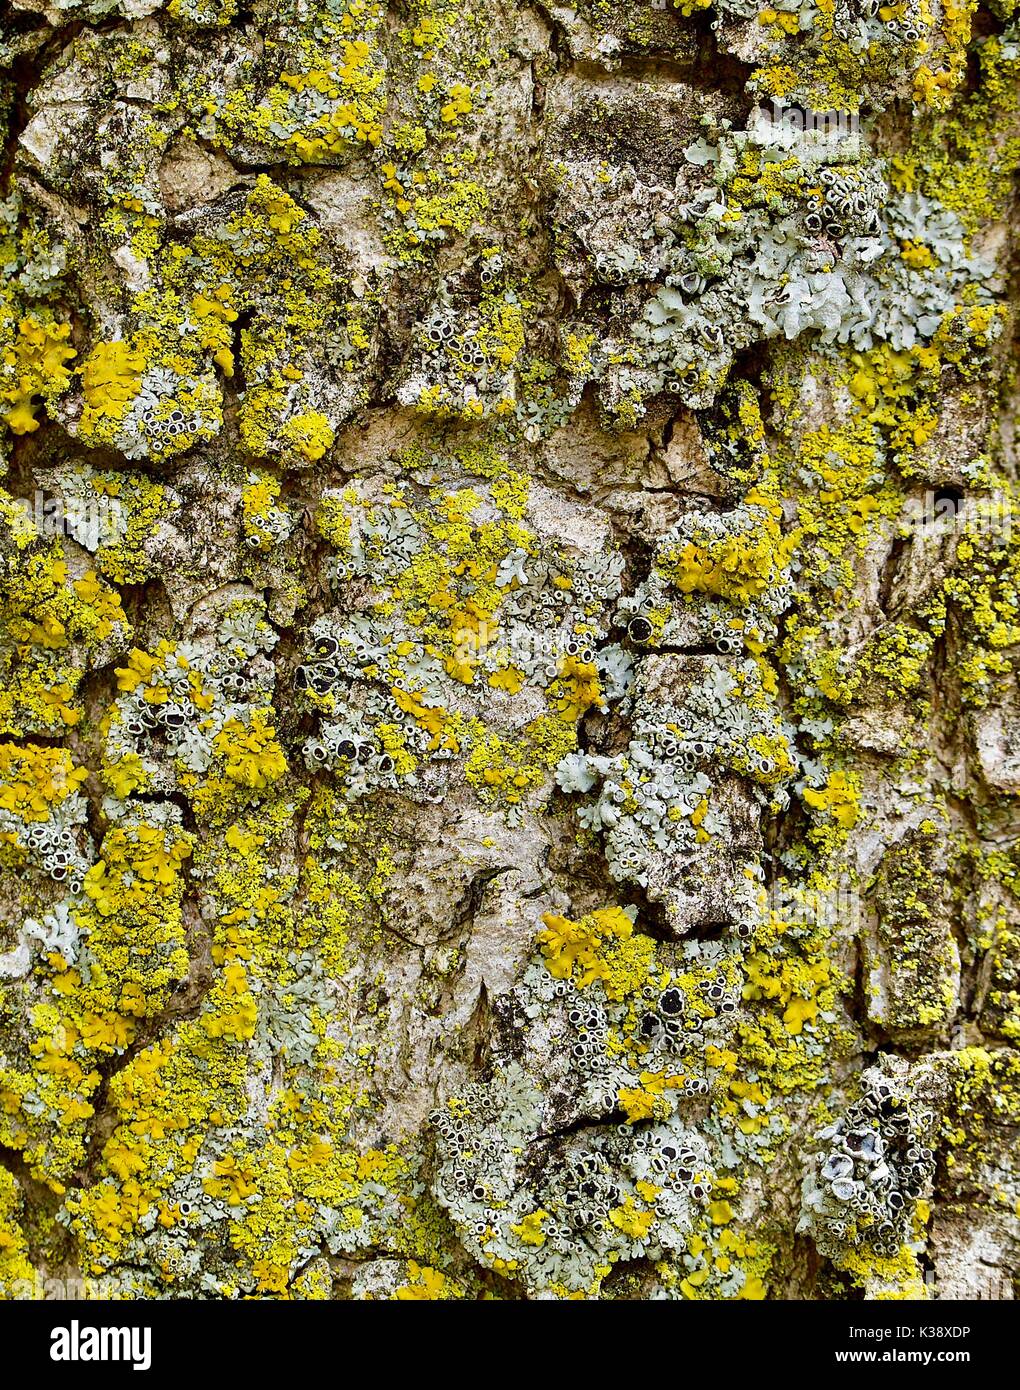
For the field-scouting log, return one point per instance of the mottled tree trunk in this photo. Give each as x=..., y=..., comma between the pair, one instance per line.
x=509, y=743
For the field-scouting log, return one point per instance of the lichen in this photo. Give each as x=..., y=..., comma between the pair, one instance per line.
x=509, y=603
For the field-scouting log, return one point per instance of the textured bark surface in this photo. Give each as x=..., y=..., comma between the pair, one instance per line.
x=509, y=739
